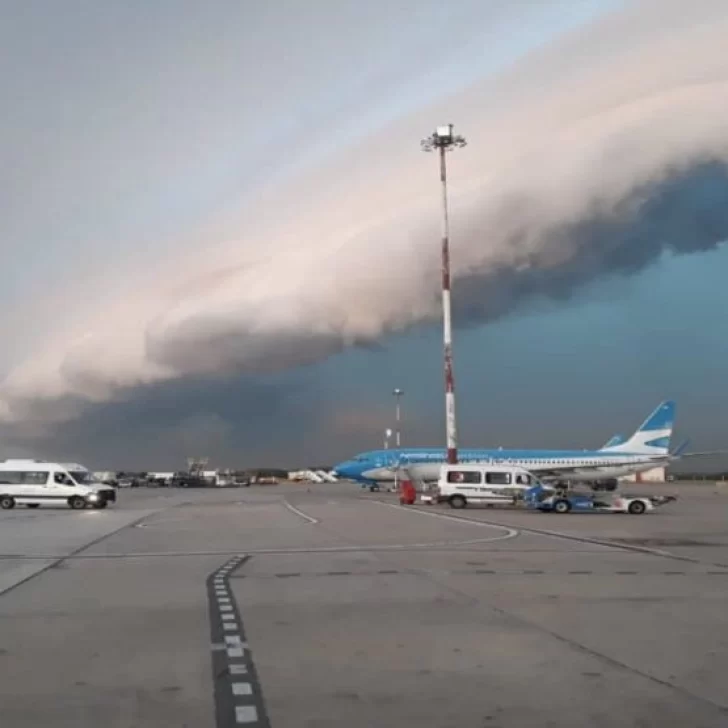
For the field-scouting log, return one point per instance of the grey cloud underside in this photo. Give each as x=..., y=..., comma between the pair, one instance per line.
x=685, y=213
x=234, y=421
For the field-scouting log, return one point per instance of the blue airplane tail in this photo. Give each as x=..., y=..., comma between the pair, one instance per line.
x=653, y=435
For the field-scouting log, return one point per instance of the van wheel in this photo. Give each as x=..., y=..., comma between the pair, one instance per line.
x=77, y=503
x=6, y=502
x=457, y=501
x=32, y=505
x=562, y=506
x=636, y=508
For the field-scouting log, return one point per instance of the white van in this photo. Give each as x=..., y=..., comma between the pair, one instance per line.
x=33, y=483
x=482, y=483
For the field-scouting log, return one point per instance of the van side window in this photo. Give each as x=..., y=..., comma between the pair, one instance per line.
x=11, y=477
x=35, y=477
x=463, y=476
x=23, y=477
x=498, y=478
x=523, y=479
x=62, y=479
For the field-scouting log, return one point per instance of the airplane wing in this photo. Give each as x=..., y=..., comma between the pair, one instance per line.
x=549, y=471
x=701, y=454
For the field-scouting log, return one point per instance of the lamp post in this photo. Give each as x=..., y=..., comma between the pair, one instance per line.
x=398, y=415
x=444, y=140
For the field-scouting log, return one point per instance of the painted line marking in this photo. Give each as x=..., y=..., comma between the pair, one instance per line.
x=233, y=640
x=235, y=651
x=510, y=532
x=228, y=616
x=226, y=608
x=230, y=626
x=303, y=515
x=242, y=688
x=246, y=714
x=238, y=669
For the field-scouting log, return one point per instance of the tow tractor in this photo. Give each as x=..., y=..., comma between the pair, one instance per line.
x=568, y=500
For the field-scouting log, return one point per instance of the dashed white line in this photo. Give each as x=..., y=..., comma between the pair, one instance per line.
x=246, y=714
x=238, y=669
x=226, y=608
x=233, y=640
x=303, y=515
x=242, y=688
x=229, y=626
x=235, y=652
x=227, y=616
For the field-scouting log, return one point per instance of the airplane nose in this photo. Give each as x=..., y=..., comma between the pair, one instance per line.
x=341, y=470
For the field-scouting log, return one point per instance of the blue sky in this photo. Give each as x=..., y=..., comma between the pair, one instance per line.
x=218, y=232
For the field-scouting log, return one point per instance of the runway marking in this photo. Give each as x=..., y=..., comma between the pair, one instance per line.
x=57, y=560
x=283, y=551
x=510, y=532
x=236, y=701
x=246, y=714
x=495, y=572
x=554, y=534
x=303, y=515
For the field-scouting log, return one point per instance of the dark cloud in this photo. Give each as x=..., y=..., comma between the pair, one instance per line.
x=685, y=213
x=234, y=421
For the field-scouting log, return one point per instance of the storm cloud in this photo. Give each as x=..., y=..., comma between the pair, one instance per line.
x=588, y=157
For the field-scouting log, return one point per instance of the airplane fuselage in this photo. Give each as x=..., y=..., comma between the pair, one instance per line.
x=425, y=463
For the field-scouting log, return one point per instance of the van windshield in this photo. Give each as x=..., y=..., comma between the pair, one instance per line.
x=82, y=477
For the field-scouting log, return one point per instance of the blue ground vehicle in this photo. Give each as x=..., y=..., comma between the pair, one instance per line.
x=568, y=500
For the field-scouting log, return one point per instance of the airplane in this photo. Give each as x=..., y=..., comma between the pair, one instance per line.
x=647, y=448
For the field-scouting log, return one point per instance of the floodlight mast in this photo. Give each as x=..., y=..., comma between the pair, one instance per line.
x=398, y=415
x=444, y=140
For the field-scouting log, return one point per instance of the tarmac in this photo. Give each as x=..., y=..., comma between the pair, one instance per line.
x=313, y=606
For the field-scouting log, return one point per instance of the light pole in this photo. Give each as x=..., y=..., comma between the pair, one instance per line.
x=397, y=394
x=443, y=139
x=387, y=435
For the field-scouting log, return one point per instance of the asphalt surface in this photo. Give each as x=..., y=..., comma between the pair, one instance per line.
x=318, y=606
